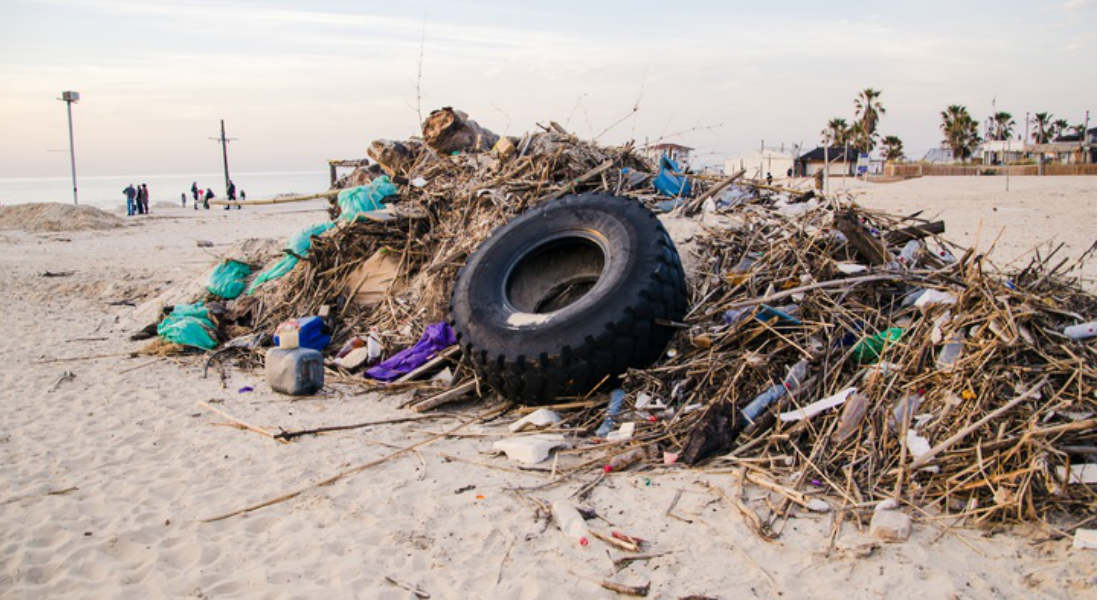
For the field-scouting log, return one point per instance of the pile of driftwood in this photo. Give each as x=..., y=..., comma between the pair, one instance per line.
x=898, y=365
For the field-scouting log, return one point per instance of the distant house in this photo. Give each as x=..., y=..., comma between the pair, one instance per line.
x=757, y=164
x=841, y=162
x=676, y=152
x=1065, y=149
x=939, y=155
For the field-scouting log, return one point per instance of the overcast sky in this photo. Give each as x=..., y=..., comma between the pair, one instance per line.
x=301, y=85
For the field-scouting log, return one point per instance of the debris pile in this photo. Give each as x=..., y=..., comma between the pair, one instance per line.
x=833, y=354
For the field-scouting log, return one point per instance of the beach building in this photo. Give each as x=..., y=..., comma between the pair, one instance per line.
x=759, y=163
x=676, y=152
x=842, y=162
x=939, y=156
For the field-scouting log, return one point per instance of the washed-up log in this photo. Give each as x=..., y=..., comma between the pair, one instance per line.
x=448, y=130
x=870, y=249
x=915, y=232
x=394, y=157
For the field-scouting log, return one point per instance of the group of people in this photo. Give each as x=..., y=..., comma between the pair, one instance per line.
x=208, y=194
x=137, y=200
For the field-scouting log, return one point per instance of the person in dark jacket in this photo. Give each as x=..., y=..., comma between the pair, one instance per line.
x=144, y=193
x=244, y=198
x=231, y=193
x=131, y=193
x=195, y=193
x=206, y=198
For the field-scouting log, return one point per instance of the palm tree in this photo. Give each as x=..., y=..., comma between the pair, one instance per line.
x=836, y=132
x=893, y=147
x=1058, y=127
x=1000, y=126
x=868, y=110
x=1042, y=132
x=960, y=131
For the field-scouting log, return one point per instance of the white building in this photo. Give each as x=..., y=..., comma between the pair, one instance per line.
x=758, y=163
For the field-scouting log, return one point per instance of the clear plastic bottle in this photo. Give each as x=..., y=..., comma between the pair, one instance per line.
x=950, y=352
x=624, y=460
x=908, y=256
x=570, y=522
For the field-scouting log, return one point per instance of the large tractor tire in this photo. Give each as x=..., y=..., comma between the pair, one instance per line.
x=566, y=294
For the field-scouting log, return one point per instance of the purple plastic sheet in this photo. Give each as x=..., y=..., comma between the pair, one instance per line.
x=436, y=337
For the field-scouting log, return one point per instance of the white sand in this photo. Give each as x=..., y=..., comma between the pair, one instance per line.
x=1036, y=212
x=148, y=464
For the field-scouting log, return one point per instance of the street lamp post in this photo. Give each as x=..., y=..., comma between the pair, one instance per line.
x=68, y=97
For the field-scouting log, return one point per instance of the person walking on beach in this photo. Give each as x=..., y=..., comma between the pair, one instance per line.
x=130, y=194
x=231, y=194
x=243, y=199
x=183, y=200
x=139, y=206
x=206, y=198
x=195, y=193
x=144, y=194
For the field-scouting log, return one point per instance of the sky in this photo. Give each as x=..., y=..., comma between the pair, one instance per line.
x=299, y=83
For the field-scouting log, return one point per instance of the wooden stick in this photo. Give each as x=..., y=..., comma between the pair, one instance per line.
x=451, y=395
x=694, y=205
x=358, y=469
x=940, y=447
x=242, y=424
x=419, y=593
x=287, y=435
x=435, y=362
x=91, y=357
x=629, y=590
x=569, y=186
x=281, y=200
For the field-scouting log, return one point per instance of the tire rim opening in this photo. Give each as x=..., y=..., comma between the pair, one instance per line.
x=554, y=274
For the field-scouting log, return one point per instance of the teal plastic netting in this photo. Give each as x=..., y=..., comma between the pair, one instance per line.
x=188, y=325
x=299, y=244
x=227, y=281
x=365, y=198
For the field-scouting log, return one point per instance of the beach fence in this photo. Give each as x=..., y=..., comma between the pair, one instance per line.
x=909, y=170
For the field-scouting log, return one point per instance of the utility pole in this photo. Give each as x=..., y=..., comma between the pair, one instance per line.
x=68, y=97
x=225, y=156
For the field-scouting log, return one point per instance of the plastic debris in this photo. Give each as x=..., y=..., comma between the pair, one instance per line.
x=540, y=419
x=815, y=408
x=531, y=449
x=614, y=406
x=436, y=337
x=1081, y=331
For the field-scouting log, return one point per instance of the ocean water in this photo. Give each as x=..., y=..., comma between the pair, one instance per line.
x=105, y=191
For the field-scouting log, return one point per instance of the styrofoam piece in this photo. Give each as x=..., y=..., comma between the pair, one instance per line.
x=623, y=433
x=530, y=449
x=541, y=418
x=1084, y=538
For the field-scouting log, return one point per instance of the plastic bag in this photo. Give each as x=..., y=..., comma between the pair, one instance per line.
x=870, y=348
x=667, y=181
x=227, y=281
x=299, y=244
x=365, y=198
x=188, y=325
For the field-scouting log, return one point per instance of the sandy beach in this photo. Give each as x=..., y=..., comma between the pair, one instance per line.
x=108, y=474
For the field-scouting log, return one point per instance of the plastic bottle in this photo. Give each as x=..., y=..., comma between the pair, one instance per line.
x=624, y=460
x=950, y=352
x=759, y=404
x=613, y=407
x=909, y=252
x=1080, y=331
x=294, y=371
x=570, y=522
